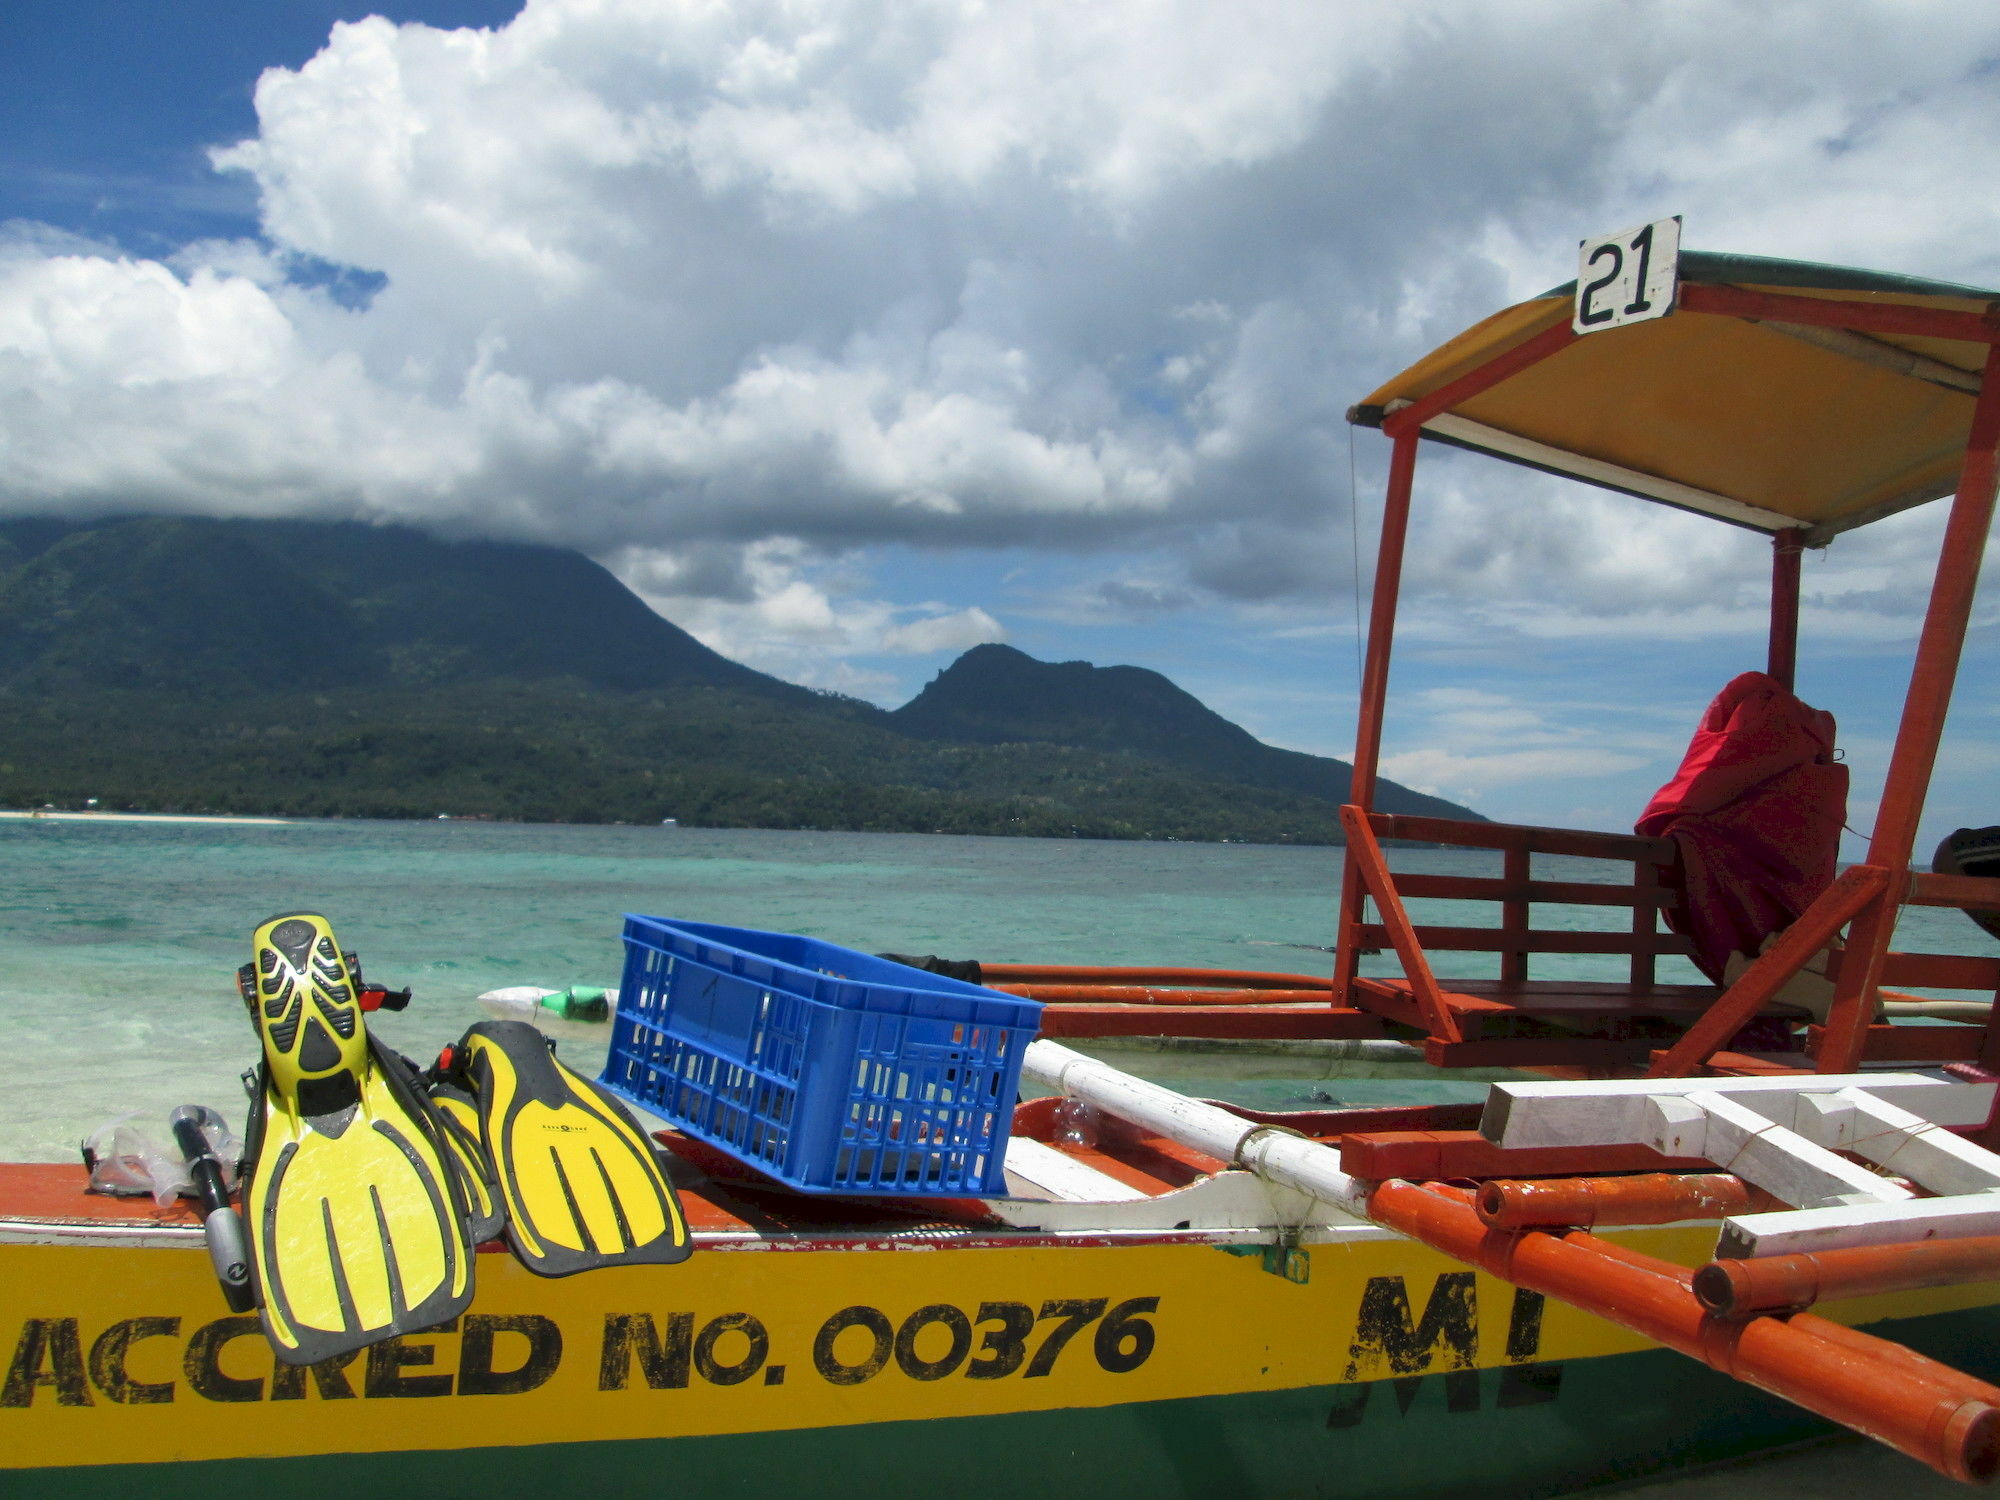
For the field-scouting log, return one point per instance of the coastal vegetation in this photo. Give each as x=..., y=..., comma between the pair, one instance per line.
x=323, y=670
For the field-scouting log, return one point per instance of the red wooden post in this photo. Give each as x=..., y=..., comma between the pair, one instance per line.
x=1373, y=870
x=1374, y=693
x=1382, y=619
x=1853, y=890
x=1515, y=871
x=1347, y=933
x=1404, y=426
x=1924, y=708
x=1645, y=921
x=1785, y=549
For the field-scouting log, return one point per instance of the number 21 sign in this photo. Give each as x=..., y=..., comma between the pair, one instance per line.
x=1627, y=277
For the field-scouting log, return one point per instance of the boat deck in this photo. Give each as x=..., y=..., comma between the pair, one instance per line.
x=729, y=1205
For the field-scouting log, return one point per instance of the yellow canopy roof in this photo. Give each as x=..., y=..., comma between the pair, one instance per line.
x=1767, y=425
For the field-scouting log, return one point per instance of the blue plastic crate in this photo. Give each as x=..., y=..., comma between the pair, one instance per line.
x=831, y=1070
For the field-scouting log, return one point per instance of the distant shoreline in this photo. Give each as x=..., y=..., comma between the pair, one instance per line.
x=121, y=817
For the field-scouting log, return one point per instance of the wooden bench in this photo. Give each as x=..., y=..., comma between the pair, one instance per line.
x=1516, y=1019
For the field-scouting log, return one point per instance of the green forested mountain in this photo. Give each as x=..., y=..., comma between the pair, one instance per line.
x=226, y=608
x=324, y=669
x=997, y=695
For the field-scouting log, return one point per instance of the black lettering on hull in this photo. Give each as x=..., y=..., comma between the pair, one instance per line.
x=757, y=1351
x=1447, y=1334
x=390, y=1357
x=476, y=1375
x=869, y=1321
x=202, y=1363
x=107, y=1362
x=663, y=1362
x=1449, y=1328
x=49, y=1353
x=288, y=1382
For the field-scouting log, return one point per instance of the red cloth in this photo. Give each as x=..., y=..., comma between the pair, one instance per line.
x=1756, y=810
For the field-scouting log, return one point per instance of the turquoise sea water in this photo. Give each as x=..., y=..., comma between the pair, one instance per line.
x=119, y=941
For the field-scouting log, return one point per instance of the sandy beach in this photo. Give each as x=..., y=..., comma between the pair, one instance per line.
x=118, y=817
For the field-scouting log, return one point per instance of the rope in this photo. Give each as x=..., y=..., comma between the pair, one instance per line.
x=1255, y=1131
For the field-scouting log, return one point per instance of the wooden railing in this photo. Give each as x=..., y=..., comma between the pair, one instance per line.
x=1577, y=842
x=1654, y=863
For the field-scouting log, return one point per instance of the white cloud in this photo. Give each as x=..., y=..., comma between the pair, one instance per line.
x=957, y=630
x=1448, y=773
x=783, y=610
x=735, y=282
x=1472, y=744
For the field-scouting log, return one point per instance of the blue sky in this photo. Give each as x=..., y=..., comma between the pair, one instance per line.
x=852, y=334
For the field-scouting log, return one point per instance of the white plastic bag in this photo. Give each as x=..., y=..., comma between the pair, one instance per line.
x=132, y=1155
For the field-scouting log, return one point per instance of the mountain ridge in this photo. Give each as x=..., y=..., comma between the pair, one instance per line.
x=330, y=668
x=280, y=605
x=998, y=694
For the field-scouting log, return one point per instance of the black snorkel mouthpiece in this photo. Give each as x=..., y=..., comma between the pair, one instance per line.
x=222, y=1226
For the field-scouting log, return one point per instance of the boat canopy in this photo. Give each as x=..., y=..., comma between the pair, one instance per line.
x=1758, y=420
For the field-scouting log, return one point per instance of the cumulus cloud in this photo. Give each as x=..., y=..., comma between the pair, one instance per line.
x=1470, y=743
x=725, y=293
x=783, y=609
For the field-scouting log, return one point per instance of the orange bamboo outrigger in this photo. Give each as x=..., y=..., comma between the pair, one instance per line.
x=1946, y=1419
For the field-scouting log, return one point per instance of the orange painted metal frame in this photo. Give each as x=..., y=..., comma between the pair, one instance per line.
x=1850, y=893
x=1866, y=898
x=1278, y=1023
x=1856, y=317
x=1145, y=994
x=1102, y=974
x=1529, y=352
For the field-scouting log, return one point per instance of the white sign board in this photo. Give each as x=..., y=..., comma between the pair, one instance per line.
x=1627, y=277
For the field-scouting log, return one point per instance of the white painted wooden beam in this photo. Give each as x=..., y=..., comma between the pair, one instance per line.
x=1061, y=1177
x=1240, y=1206
x=1898, y=1141
x=1810, y=1229
x=1597, y=471
x=1782, y=1162
x=1607, y=1112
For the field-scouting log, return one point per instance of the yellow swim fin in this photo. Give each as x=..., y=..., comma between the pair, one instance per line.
x=580, y=1181
x=353, y=1208
x=484, y=1217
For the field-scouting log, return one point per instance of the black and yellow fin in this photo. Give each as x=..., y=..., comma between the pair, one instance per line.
x=484, y=1215
x=580, y=1181
x=352, y=1205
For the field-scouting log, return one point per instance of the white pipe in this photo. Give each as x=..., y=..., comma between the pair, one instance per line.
x=1271, y=1152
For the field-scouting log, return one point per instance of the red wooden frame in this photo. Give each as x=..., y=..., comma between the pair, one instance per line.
x=1373, y=871
x=1783, y=660
x=1866, y=898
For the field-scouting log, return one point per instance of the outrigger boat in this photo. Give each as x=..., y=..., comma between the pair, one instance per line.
x=1693, y=1226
